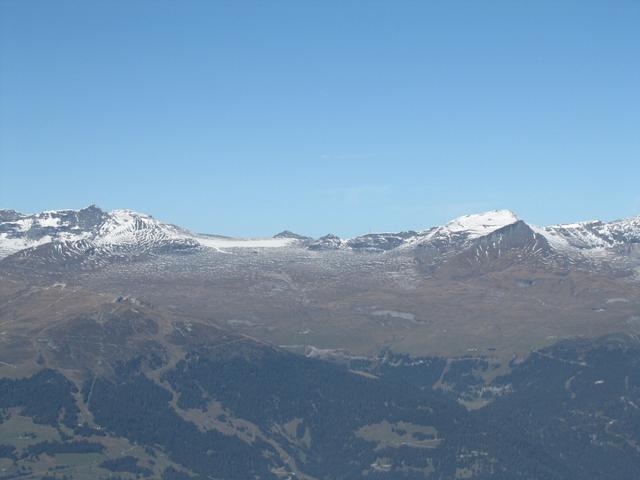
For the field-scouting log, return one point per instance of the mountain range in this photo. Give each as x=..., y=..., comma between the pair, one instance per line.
x=128, y=233
x=447, y=289
x=485, y=348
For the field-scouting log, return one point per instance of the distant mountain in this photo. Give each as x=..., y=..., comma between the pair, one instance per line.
x=595, y=234
x=290, y=234
x=19, y=231
x=468, y=227
x=475, y=254
x=91, y=237
x=327, y=242
x=96, y=234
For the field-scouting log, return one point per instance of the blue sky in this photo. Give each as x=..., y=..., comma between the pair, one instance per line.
x=248, y=117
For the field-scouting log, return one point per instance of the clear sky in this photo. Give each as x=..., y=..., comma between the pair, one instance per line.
x=248, y=117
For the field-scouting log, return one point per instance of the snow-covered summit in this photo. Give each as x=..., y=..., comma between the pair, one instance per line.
x=595, y=234
x=127, y=226
x=122, y=233
x=480, y=224
x=19, y=231
x=461, y=230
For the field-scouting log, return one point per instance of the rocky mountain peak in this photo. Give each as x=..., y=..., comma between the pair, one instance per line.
x=290, y=234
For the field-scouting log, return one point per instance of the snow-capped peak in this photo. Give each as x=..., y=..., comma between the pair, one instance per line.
x=595, y=234
x=119, y=232
x=460, y=231
x=127, y=233
x=130, y=227
x=481, y=224
x=123, y=227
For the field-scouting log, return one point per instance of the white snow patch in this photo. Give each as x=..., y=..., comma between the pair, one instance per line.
x=9, y=246
x=48, y=221
x=481, y=224
x=222, y=242
x=24, y=224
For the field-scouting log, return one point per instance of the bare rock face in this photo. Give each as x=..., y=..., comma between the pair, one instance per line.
x=511, y=245
x=290, y=234
x=379, y=242
x=328, y=242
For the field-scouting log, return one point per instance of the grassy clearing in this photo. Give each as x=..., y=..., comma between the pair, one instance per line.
x=21, y=432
